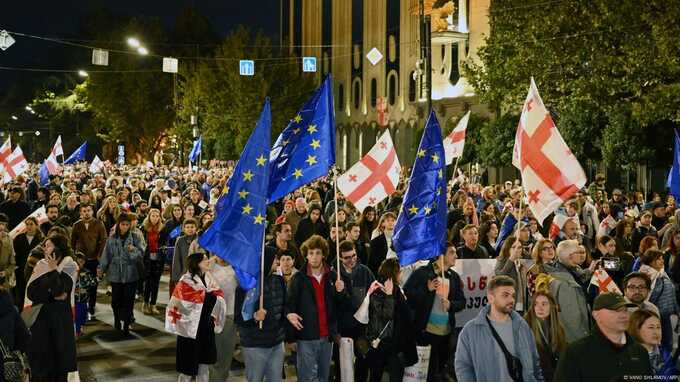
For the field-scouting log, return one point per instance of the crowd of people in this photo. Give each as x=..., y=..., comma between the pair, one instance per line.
x=542, y=319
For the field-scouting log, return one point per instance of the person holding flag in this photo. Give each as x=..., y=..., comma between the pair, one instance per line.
x=195, y=153
x=78, y=155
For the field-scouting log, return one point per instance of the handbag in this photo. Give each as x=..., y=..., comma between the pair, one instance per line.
x=15, y=364
x=513, y=363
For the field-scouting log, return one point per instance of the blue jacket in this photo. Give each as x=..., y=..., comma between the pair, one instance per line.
x=476, y=356
x=119, y=264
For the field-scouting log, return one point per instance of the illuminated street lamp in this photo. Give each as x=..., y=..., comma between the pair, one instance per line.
x=142, y=50
x=37, y=133
x=83, y=73
x=14, y=117
x=133, y=42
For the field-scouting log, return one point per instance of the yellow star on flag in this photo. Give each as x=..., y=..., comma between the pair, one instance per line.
x=427, y=210
x=435, y=158
x=413, y=210
x=421, y=153
x=243, y=193
x=248, y=176
x=315, y=144
x=297, y=173
x=297, y=118
x=296, y=131
x=439, y=191
x=311, y=129
x=246, y=209
x=259, y=219
x=311, y=159
x=225, y=190
x=261, y=160
x=440, y=174
x=285, y=142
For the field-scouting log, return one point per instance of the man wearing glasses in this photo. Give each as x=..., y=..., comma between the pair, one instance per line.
x=636, y=287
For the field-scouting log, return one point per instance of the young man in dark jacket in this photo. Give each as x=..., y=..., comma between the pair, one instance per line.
x=434, y=301
x=314, y=294
x=263, y=347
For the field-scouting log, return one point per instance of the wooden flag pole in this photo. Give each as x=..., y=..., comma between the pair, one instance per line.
x=264, y=234
x=337, y=230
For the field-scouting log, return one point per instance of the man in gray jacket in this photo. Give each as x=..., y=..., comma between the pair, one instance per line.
x=498, y=344
x=182, y=251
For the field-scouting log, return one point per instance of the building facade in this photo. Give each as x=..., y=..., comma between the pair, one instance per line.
x=370, y=98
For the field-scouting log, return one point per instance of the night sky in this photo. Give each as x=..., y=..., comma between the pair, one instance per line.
x=61, y=19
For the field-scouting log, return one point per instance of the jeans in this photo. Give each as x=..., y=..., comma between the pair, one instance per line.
x=123, y=301
x=314, y=360
x=225, y=343
x=154, y=270
x=264, y=363
x=91, y=265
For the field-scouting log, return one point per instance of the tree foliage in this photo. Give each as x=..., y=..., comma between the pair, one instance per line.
x=608, y=70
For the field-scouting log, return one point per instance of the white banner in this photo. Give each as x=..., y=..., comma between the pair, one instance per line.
x=475, y=275
x=346, y=359
x=418, y=372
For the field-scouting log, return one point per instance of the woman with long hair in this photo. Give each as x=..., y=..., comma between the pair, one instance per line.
x=109, y=212
x=645, y=327
x=488, y=233
x=381, y=245
x=120, y=264
x=367, y=223
x=543, y=255
x=154, y=260
x=508, y=264
x=173, y=215
x=49, y=304
x=23, y=245
x=544, y=321
x=196, y=324
x=624, y=236
x=662, y=293
x=389, y=332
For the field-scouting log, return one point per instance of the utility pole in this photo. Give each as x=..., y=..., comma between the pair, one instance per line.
x=426, y=55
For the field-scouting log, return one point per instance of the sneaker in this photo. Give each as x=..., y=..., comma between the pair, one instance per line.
x=146, y=309
x=155, y=310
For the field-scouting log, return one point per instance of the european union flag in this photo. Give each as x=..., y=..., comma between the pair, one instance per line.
x=673, y=181
x=237, y=232
x=78, y=155
x=420, y=231
x=196, y=150
x=305, y=150
x=44, y=174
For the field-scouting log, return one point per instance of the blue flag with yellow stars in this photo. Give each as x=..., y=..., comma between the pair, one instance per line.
x=420, y=231
x=237, y=232
x=305, y=150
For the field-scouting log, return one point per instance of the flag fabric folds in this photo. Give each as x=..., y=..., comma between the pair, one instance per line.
x=183, y=312
x=196, y=150
x=550, y=172
x=604, y=282
x=305, y=150
x=673, y=182
x=96, y=165
x=57, y=149
x=15, y=165
x=53, y=166
x=454, y=143
x=237, y=232
x=374, y=177
x=78, y=155
x=44, y=174
x=420, y=231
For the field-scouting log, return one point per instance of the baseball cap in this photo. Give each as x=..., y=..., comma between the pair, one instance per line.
x=610, y=301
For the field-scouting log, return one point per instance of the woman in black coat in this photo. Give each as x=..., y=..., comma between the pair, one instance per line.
x=13, y=332
x=23, y=244
x=313, y=224
x=52, y=349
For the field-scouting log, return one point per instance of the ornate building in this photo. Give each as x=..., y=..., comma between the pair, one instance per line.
x=368, y=97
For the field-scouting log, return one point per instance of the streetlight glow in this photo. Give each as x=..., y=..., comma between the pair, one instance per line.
x=82, y=73
x=28, y=107
x=133, y=42
x=142, y=50
x=14, y=117
x=32, y=111
x=37, y=133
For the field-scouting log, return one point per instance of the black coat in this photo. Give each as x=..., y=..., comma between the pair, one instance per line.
x=13, y=331
x=16, y=212
x=273, y=330
x=306, y=229
x=190, y=352
x=357, y=285
x=421, y=299
x=52, y=349
x=301, y=299
x=401, y=341
x=378, y=253
x=22, y=250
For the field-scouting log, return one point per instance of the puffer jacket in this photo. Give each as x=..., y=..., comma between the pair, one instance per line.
x=120, y=264
x=571, y=298
x=475, y=353
x=273, y=330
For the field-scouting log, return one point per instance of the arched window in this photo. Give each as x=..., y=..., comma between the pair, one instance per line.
x=374, y=92
x=341, y=97
x=392, y=88
x=357, y=93
x=412, y=86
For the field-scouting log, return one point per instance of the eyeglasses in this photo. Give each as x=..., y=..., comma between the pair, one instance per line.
x=636, y=287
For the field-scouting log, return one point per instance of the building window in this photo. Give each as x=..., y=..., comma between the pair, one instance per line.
x=392, y=54
x=341, y=97
x=392, y=88
x=374, y=92
x=412, y=86
x=357, y=93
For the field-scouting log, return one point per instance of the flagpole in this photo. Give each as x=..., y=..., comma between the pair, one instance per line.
x=337, y=230
x=264, y=235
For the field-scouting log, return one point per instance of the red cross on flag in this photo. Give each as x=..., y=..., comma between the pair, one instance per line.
x=374, y=177
x=5, y=150
x=39, y=214
x=14, y=165
x=604, y=282
x=53, y=166
x=455, y=142
x=57, y=149
x=550, y=172
x=183, y=312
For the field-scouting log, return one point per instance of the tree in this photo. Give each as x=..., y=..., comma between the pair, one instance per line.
x=607, y=70
x=228, y=104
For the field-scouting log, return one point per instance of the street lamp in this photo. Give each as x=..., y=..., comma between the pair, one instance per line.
x=14, y=117
x=133, y=42
x=83, y=73
x=142, y=50
x=37, y=133
x=28, y=108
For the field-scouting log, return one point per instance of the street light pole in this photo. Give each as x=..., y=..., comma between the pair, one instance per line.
x=426, y=55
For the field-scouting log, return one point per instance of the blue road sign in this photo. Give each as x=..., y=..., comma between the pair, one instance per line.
x=246, y=67
x=309, y=64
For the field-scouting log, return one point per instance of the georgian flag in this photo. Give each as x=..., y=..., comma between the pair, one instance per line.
x=374, y=177
x=550, y=172
x=455, y=142
x=57, y=149
x=14, y=165
x=53, y=166
x=183, y=312
x=604, y=282
x=5, y=150
x=606, y=226
x=96, y=165
x=39, y=214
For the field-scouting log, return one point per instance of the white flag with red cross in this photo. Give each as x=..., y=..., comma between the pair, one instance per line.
x=57, y=149
x=183, y=312
x=5, y=152
x=454, y=143
x=374, y=177
x=40, y=215
x=15, y=165
x=604, y=282
x=53, y=167
x=551, y=174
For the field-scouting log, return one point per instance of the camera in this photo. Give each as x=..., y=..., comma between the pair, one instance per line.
x=612, y=264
